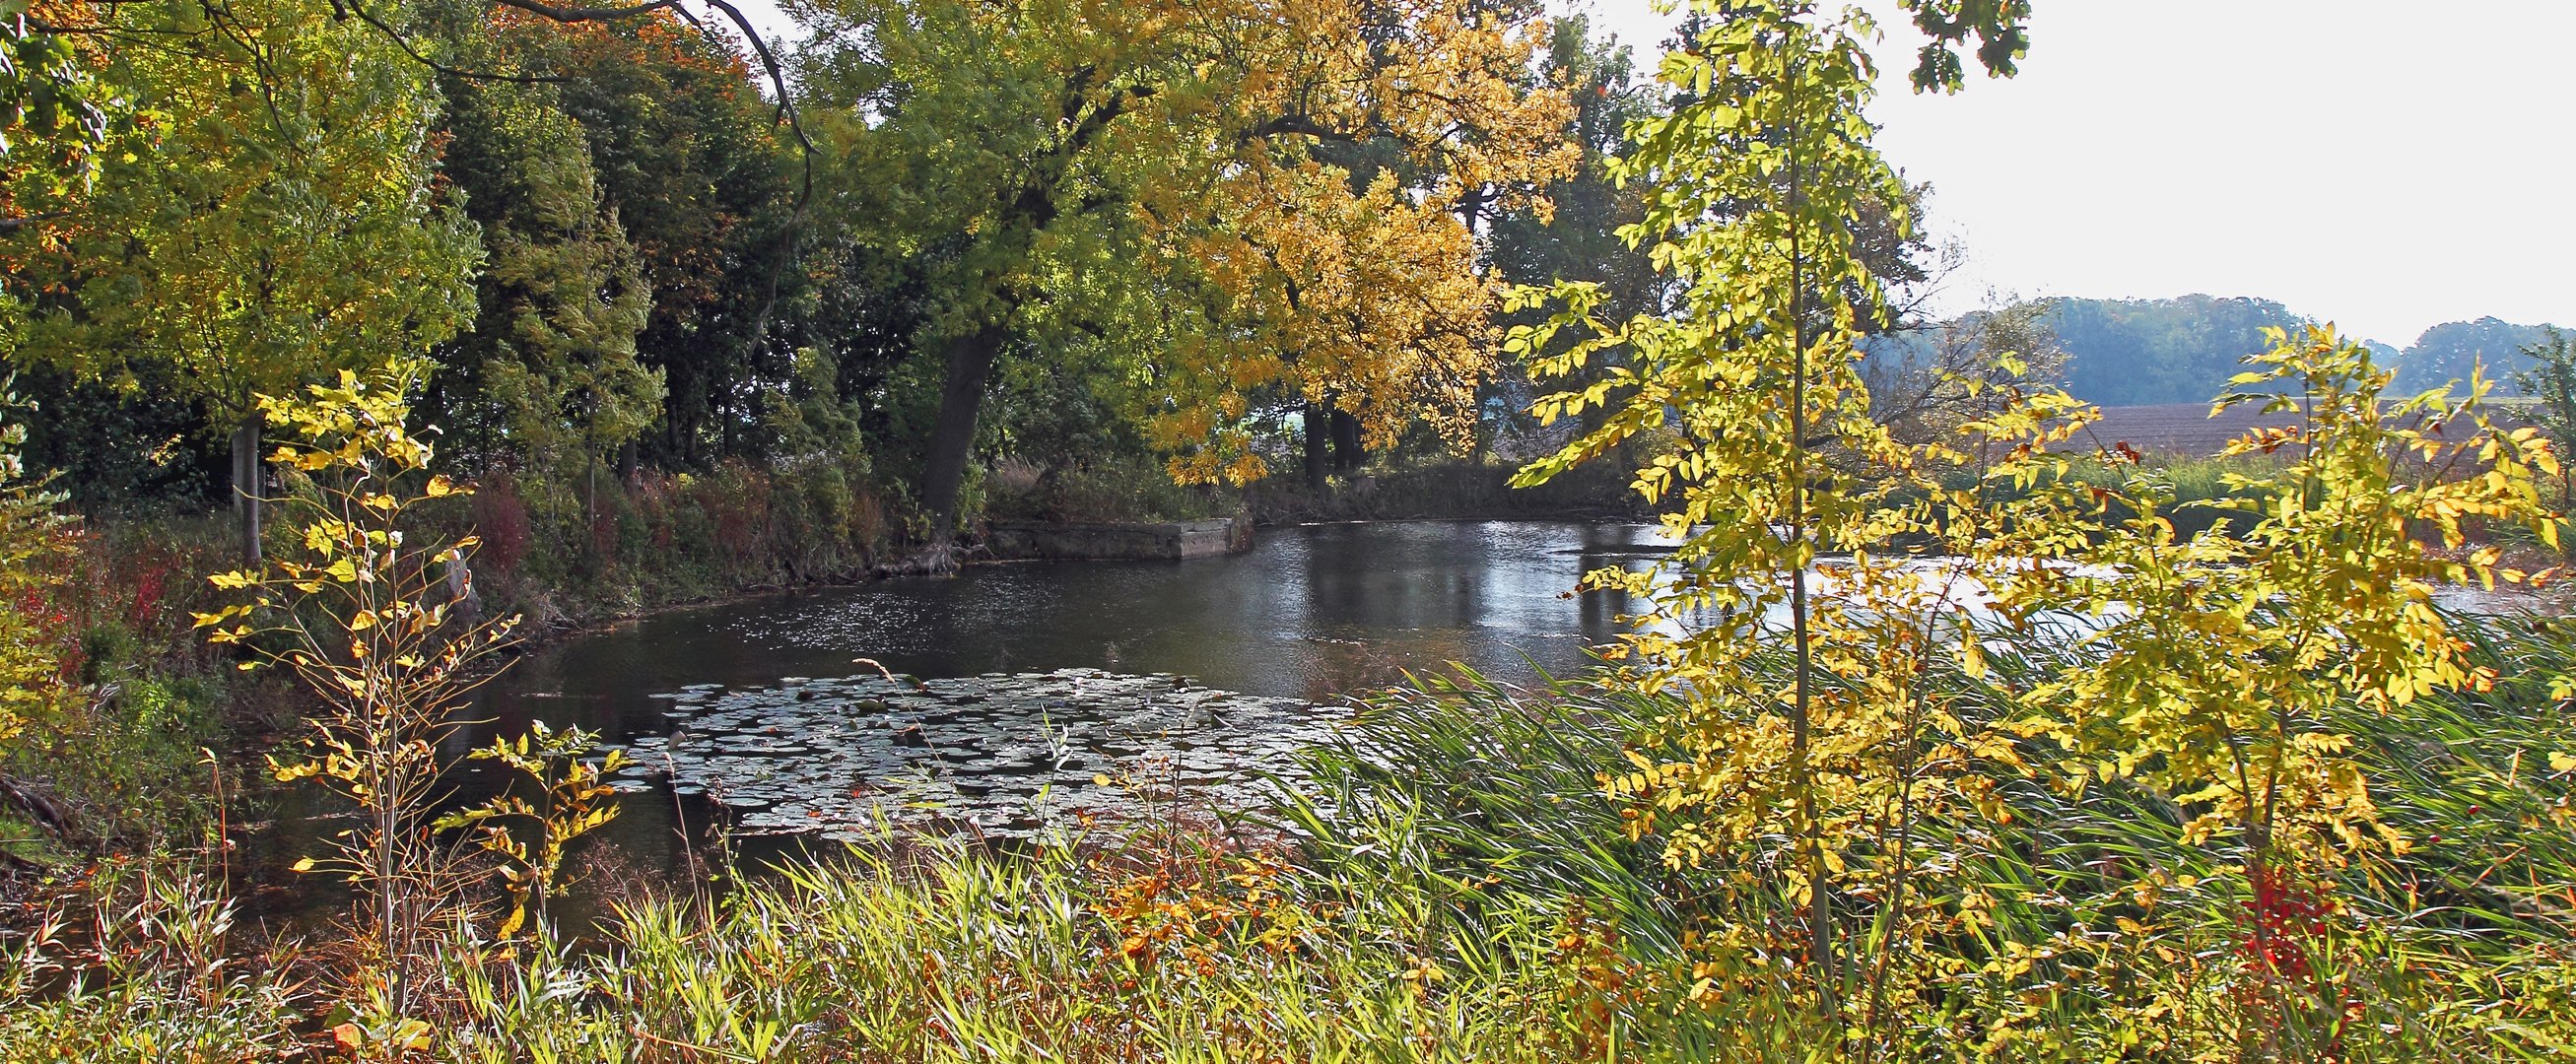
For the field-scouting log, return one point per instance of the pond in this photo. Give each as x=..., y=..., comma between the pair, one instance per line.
x=1021, y=685
x=1042, y=676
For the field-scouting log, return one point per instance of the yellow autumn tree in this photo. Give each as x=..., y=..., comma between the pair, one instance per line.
x=1242, y=200
x=1809, y=759
x=1339, y=240
x=2219, y=679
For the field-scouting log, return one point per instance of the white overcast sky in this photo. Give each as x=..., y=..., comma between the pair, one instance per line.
x=2387, y=164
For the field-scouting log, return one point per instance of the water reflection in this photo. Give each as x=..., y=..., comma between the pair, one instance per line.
x=1311, y=612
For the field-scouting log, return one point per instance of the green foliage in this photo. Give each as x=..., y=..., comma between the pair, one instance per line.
x=35, y=541
x=2551, y=382
x=691, y=164
x=271, y=223
x=1111, y=489
x=1576, y=238
x=118, y=707
x=123, y=456
x=54, y=112
x=549, y=375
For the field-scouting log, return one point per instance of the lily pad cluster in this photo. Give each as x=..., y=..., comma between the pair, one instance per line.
x=1002, y=755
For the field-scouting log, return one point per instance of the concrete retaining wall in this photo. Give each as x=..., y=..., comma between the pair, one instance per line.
x=1172, y=540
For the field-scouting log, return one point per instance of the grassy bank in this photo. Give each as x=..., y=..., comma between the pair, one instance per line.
x=1458, y=889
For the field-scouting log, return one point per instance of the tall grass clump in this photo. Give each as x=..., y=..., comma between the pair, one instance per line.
x=144, y=965
x=1181, y=950
x=2073, y=925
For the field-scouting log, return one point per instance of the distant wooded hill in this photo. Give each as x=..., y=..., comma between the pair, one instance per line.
x=2136, y=352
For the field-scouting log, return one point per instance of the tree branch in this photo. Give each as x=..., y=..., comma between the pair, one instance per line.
x=352, y=7
x=587, y=14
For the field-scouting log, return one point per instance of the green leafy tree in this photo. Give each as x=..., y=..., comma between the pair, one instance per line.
x=1167, y=183
x=1577, y=237
x=695, y=167
x=276, y=222
x=549, y=377
x=2551, y=382
x=54, y=114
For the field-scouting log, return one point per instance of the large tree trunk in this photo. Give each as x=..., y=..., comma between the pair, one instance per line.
x=1347, y=453
x=952, y=437
x=1318, y=435
x=246, y=488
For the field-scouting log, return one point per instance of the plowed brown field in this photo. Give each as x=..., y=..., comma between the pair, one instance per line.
x=2183, y=429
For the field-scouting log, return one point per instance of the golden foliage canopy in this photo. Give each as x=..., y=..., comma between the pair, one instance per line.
x=1271, y=200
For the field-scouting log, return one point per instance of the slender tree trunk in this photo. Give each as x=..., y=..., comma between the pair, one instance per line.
x=1820, y=910
x=952, y=436
x=1347, y=453
x=389, y=892
x=1318, y=436
x=246, y=488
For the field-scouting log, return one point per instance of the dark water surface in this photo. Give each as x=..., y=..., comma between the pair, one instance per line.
x=1308, y=614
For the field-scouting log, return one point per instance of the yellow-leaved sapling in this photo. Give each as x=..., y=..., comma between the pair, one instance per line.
x=2219, y=670
x=1794, y=628
x=574, y=799
x=369, y=611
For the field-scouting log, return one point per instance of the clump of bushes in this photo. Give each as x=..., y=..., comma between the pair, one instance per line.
x=1106, y=488
x=1447, y=488
x=661, y=538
